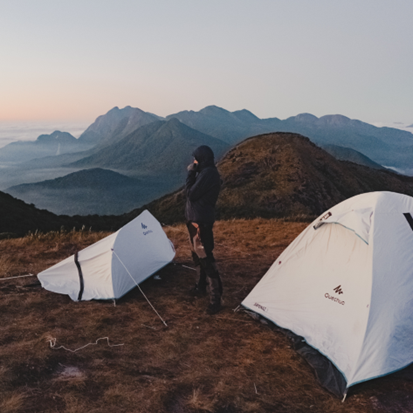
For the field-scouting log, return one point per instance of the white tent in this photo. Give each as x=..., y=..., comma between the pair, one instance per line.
x=345, y=285
x=114, y=265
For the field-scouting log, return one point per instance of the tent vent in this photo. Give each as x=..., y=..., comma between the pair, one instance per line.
x=409, y=219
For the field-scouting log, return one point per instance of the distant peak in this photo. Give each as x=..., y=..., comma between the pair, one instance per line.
x=125, y=110
x=245, y=114
x=335, y=119
x=173, y=121
x=305, y=117
x=213, y=109
x=57, y=135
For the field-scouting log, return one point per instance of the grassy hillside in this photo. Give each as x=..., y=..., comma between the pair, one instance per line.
x=227, y=363
x=284, y=175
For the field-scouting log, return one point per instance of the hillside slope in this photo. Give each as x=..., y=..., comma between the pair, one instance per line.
x=284, y=175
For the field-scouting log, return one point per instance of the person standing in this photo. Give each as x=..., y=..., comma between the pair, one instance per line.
x=202, y=187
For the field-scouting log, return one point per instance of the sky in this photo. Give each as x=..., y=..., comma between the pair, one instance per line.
x=73, y=60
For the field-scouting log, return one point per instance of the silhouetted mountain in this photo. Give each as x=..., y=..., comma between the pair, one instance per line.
x=283, y=175
x=116, y=124
x=45, y=145
x=91, y=191
x=157, y=149
x=18, y=218
x=347, y=154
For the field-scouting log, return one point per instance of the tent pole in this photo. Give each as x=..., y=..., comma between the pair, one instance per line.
x=140, y=289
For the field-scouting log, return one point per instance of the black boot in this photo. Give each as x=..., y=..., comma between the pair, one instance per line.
x=215, y=298
x=215, y=285
x=200, y=287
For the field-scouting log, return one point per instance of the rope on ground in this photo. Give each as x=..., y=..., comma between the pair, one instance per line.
x=17, y=276
x=52, y=342
x=185, y=266
x=140, y=289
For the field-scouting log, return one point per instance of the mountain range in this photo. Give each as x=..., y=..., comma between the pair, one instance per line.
x=385, y=146
x=270, y=175
x=156, y=150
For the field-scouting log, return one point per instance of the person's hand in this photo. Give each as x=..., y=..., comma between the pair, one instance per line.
x=193, y=166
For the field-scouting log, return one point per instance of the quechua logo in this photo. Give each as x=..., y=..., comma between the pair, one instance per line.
x=144, y=227
x=260, y=306
x=338, y=290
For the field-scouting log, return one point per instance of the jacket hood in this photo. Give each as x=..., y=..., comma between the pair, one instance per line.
x=204, y=155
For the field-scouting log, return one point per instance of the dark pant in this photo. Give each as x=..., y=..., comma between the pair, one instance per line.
x=202, y=244
x=201, y=233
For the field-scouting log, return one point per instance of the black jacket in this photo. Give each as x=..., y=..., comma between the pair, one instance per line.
x=202, y=188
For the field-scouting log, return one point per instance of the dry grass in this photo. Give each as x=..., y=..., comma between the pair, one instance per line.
x=199, y=363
